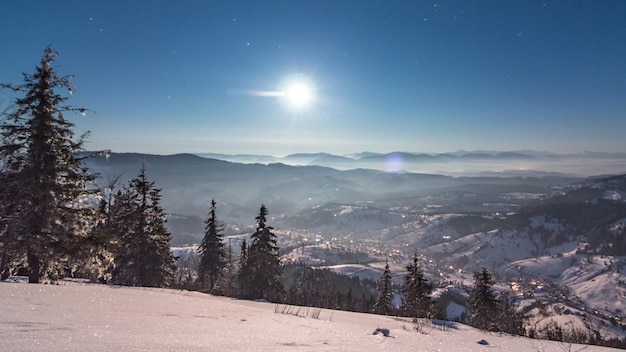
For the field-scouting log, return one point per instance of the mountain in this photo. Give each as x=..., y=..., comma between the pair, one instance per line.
x=241, y=158
x=361, y=155
x=511, y=223
x=189, y=182
x=464, y=163
x=330, y=159
x=400, y=155
x=303, y=158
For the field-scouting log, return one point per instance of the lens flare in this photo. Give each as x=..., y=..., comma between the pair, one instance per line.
x=394, y=162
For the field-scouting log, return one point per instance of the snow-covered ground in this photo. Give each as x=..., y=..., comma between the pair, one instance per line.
x=77, y=316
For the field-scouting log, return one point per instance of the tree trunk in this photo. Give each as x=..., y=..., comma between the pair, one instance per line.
x=4, y=267
x=33, y=268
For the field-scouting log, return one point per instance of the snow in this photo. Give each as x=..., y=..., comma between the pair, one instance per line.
x=74, y=316
x=613, y=195
x=455, y=310
x=363, y=271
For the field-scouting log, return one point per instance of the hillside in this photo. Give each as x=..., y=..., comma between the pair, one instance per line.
x=75, y=316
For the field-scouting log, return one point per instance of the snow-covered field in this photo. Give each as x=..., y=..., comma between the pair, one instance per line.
x=75, y=316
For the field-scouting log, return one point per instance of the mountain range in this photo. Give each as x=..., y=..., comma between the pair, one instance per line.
x=453, y=163
x=558, y=240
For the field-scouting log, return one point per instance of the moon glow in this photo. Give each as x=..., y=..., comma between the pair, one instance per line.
x=299, y=95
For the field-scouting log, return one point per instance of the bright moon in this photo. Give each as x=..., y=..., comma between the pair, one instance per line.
x=297, y=92
x=299, y=95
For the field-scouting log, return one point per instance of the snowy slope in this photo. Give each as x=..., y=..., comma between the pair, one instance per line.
x=594, y=282
x=89, y=317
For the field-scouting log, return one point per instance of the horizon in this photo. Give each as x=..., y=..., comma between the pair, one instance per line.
x=529, y=152
x=166, y=78
x=463, y=163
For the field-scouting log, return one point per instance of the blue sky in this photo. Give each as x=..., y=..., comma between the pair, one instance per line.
x=424, y=76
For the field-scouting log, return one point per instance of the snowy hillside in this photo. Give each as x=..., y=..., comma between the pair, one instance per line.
x=74, y=316
x=590, y=287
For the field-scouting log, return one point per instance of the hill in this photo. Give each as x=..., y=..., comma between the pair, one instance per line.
x=75, y=316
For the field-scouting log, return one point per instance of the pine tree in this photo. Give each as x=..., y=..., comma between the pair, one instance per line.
x=10, y=251
x=228, y=283
x=211, y=251
x=263, y=262
x=45, y=213
x=416, y=301
x=143, y=256
x=243, y=273
x=483, y=302
x=385, y=293
x=99, y=255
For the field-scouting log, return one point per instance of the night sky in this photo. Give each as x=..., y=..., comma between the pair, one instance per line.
x=166, y=77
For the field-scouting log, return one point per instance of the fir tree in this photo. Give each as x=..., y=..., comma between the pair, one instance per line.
x=99, y=255
x=243, y=274
x=483, y=302
x=10, y=226
x=107, y=194
x=385, y=293
x=227, y=283
x=45, y=213
x=143, y=256
x=211, y=251
x=416, y=301
x=263, y=262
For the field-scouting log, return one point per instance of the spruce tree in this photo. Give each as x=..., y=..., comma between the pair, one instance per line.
x=143, y=256
x=45, y=212
x=383, y=303
x=10, y=227
x=263, y=262
x=228, y=282
x=243, y=272
x=483, y=302
x=416, y=300
x=98, y=256
x=211, y=251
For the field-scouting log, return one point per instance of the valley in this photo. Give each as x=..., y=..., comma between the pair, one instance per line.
x=555, y=242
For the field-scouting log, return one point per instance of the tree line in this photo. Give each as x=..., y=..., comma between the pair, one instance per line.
x=55, y=222
x=488, y=311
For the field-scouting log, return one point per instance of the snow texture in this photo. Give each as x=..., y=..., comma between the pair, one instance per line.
x=74, y=316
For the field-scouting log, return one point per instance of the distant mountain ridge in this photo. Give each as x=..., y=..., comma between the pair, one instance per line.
x=453, y=163
x=189, y=182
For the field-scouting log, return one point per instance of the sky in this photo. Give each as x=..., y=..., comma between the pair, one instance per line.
x=168, y=77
